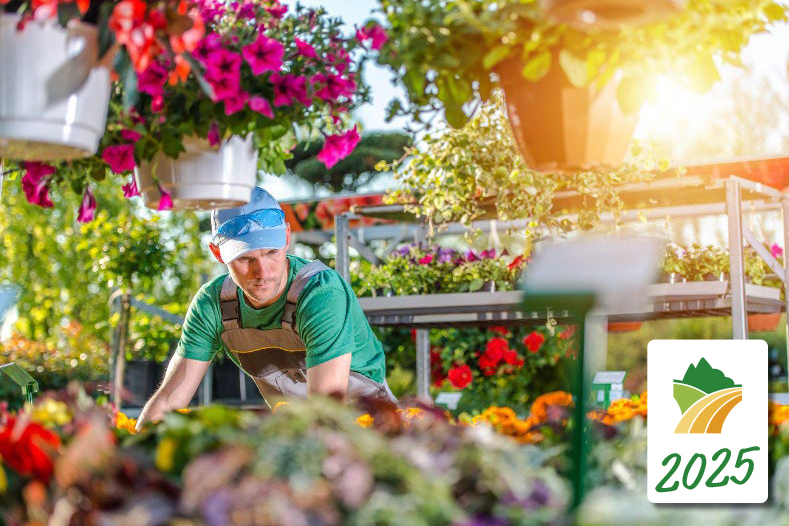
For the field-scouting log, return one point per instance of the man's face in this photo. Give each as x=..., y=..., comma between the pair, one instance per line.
x=261, y=274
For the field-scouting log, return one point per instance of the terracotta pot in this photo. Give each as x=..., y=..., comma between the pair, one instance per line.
x=53, y=94
x=623, y=326
x=609, y=14
x=559, y=125
x=763, y=322
x=203, y=177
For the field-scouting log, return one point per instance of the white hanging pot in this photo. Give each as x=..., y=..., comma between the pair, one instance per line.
x=609, y=14
x=203, y=177
x=53, y=97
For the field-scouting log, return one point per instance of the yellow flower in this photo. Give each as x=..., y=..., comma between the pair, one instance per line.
x=50, y=412
x=184, y=411
x=365, y=420
x=3, y=480
x=124, y=422
x=165, y=453
x=415, y=412
x=279, y=404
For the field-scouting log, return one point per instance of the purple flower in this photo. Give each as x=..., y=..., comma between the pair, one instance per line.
x=446, y=255
x=237, y=103
x=213, y=134
x=87, y=210
x=334, y=87
x=289, y=89
x=264, y=54
x=119, y=157
x=130, y=190
x=152, y=79
x=338, y=147
x=373, y=32
x=471, y=256
x=165, y=202
x=305, y=49
x=34, y=183
x=261, y=105
x=488, y=254
x=130, y=135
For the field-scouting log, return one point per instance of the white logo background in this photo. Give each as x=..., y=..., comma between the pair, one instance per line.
x=745, y=362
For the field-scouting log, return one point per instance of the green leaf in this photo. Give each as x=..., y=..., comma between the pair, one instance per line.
x=701, y=75
x=475, y=284
x=630, y=94
x=197, y=72
x=128, y=77
x=574, y=67
x=537, y=67
x=495, y=55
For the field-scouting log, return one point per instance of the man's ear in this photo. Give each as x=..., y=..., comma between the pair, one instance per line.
x=287, y=236
x=215, y=251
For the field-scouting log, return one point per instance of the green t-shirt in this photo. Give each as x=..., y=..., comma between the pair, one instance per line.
x=328, y=319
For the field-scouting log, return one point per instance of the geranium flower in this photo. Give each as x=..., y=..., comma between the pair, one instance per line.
x=500, y=330
x=34, y=183
x=87, y=210
x=373, y=32
x=338, y=147
x=534, y=341
x=460, y=377
x=488, y=364
x=511, y=357
x=515, y=262
x=289, y=89
x=130, y=190
x=165, y=202
x=305, y=49
x=261, y=105
x=189, y=39
x=495, y=348
x=264, y=54
x=120, y=157
x=23, y=446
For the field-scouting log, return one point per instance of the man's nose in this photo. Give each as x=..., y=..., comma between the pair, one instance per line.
x=257, y=268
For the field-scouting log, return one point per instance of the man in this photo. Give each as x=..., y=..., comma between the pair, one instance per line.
x=294, y=326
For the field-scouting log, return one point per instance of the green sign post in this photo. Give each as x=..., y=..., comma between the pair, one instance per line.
x=22, y=378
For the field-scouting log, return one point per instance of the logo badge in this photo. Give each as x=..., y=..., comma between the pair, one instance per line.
x=707, y=423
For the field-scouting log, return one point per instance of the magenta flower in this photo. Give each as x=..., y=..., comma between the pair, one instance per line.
x=264, y=54
x=338, y=147
x=34, y=183
x=776, y=250
x=87, y=210
x=261, y=105
x=208, y=45
x=221, y=63
x=289, y=89
x=277, y=10
x=213, y=133
x=151, y=81
x=237, y=103
x=130, y=190
x=334, y=87
x=225, y=87
x=426, y=260
x=130, y=135
x=373, y=32
x=119, y=157
x=165, y=202
x=488, y=254
x=305, y=49
x=157, y=103
x=471, y=256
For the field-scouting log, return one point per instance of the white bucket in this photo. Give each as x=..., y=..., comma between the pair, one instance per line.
x=53, y=100
x=203, y=177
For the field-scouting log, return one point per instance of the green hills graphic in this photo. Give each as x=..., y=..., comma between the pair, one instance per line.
x=699, y=381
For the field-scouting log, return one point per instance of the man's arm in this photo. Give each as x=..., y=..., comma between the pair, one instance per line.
x=180, y=382
x=330, y=377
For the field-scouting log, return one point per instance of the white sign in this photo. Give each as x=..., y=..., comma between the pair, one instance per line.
x=449, y=399
x=707, y=423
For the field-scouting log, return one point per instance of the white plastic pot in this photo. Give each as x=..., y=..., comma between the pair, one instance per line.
x=202, y=177
x=53, y=97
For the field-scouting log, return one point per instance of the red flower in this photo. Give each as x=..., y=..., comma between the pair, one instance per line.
x=511, y=357
x=534, y=341
x=460, y=376
x=495, y=349
x=501, y=330
x=486, y=362
x=515, y=263
x=23, y=446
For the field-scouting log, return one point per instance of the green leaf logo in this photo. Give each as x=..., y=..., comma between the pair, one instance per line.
x=705, y=396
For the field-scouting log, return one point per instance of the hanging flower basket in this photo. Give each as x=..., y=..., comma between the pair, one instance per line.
x=763, y=322
x=202, y=177
x=609, y=14
x=556, y=124
x=53, y=96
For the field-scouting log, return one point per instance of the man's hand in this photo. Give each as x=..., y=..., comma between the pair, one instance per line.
x=330, y=377
x=152, y=412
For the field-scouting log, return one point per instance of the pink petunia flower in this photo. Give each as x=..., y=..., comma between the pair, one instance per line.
x=165, y=202
x=305, y=49
x=35, y=183
x=213, y=134
x=87, y=210
x=225, y=86
x=334, y=87
x=157, y=103
x=373, y=32
x=338, y=147
x=776, y=250
x=289, y=89
x=277, y=10
x=264, y=54
x=426, y=260
x=152, y=79
x=206, y=46
x=237, y=103
x=262, y=106
x=222, y=62
x=119, y=157
x=130, y=135
x=130, y=190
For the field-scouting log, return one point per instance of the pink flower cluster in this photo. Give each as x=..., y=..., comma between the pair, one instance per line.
x=338, y=147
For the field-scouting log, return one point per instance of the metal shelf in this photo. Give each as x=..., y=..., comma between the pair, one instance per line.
x=664, y=300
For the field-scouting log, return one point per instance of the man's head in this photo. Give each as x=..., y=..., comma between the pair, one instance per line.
x=252, y=241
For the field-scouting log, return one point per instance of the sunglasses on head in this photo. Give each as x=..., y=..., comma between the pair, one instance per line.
x=243, y=224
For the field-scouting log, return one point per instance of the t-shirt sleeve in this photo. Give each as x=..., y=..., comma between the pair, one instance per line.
x=200, y=336
x=324, y=324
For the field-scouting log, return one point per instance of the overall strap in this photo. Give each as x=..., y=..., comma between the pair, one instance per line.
x=229, y=305
x=299, y=282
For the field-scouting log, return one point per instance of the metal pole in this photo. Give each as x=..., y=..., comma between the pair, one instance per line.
x=739, y=318
x=341, y=235
x=423, y=364
x=785, y=224
x=580, y=446
x=208, y=384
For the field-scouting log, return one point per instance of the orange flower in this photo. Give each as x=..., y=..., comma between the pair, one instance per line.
x=365, y=420
x=125, y=423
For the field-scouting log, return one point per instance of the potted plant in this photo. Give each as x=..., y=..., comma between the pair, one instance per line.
x=447, y=55
x=674, y=266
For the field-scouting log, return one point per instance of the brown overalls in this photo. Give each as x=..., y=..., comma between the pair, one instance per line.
x=276, y=358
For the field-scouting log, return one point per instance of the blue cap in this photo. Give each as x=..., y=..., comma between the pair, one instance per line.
x=258, y=224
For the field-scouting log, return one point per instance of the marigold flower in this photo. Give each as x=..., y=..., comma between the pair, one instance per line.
x=365, y=420
x=125, y=423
